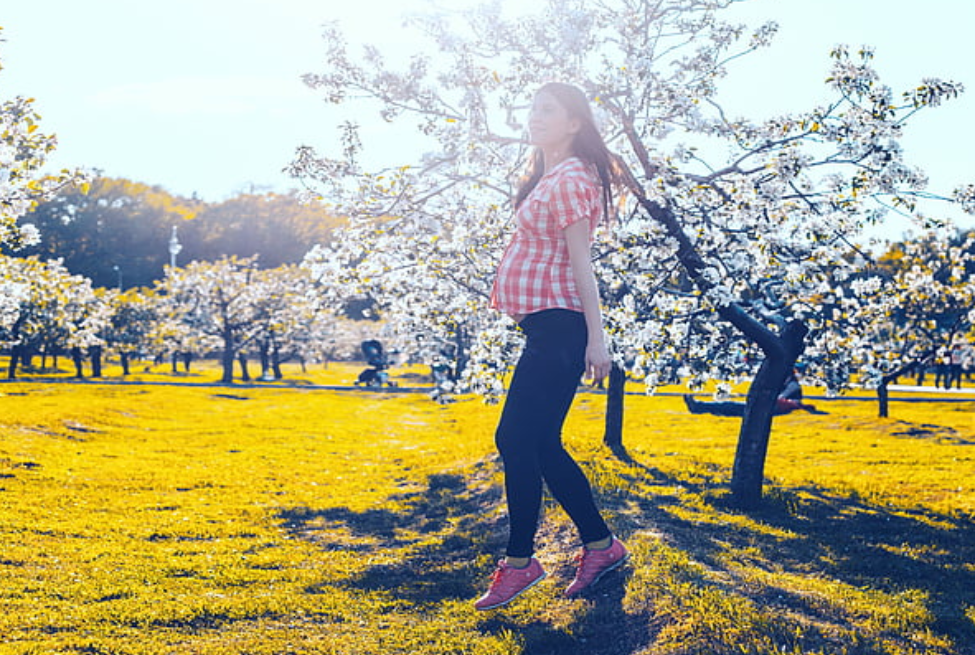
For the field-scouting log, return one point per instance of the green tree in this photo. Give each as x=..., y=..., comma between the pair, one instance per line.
x=278, y=228
x=116, y=234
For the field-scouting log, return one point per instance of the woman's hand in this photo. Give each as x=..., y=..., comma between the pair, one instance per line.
x=598, y=361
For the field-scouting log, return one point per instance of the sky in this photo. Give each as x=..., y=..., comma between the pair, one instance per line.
x=205, y=96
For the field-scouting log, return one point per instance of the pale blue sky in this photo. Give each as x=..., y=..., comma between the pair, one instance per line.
x=205, y=95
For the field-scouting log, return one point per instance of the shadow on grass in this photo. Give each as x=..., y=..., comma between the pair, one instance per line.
x=809, y=532
x=446, y=535
x=438, y=543
x=437, y=532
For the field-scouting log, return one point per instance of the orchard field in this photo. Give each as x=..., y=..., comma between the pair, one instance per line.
x=150, y=519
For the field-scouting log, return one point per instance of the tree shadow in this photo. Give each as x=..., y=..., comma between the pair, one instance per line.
x=440, y=530
x=443, y=531
x=809, y=531
x=442, y=534
x=604, y=628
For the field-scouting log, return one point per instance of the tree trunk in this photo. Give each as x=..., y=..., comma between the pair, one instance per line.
x=27, y=357
x=461, y=358
x=227, y=361
x=187, y=360
x=245, y=375
x=883, y=398
x=263, y=352
x=124, y=358
x=276, y=361
x=79, y=361
x=14, y=360
x=229, y=355
x=95, y=352
x=748, y=473
x=613, y=435
x=175, y=359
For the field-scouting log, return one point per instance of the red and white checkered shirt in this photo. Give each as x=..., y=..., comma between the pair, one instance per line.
x=535, y=272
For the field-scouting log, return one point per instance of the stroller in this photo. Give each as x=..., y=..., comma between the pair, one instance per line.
x=376, y=375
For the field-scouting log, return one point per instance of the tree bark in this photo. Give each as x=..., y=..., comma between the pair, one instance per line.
x=748, y=473
x=883, y=400
x=95, y=352
x=245, y=375
x=276, y=361
x=228, y=360
x=14, y=360
x=461, y=358
x=79, y=361
x=264, y=354
x=615, y=395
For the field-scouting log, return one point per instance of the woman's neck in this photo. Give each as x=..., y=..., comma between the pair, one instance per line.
x=555, y=156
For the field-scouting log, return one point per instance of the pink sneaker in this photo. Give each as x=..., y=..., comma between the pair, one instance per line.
x=508, y=583
x=594, y=564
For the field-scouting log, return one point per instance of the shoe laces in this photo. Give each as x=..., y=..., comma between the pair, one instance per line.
x=580, y=558
x=497, y=578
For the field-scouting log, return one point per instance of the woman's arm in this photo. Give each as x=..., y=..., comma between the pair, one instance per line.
x=598, y=361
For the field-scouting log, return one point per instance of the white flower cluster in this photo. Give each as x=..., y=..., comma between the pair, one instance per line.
x=23, y=152
x=43, y=303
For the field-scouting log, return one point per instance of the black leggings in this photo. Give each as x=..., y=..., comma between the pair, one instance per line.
x=529, y=435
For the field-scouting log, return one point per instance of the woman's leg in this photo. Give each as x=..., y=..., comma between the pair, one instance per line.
x=516, y=439
x=529, y=432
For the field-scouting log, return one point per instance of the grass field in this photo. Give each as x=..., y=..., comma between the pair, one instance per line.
x=212, y=519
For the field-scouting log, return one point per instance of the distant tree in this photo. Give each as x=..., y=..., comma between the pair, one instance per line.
x=134, y=312
x=278, y=228
x=216, y=301
x=912, y=310
x=116, y=234
x=173, y=334
x=48, y=312
x=291, y=321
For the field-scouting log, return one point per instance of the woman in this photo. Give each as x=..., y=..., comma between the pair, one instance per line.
x=545, y=282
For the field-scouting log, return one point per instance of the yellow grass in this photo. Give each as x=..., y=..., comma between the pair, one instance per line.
x=195, y=519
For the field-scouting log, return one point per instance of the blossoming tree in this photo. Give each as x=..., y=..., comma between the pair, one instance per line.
x=902, y=312
x=23, y=182
x=212, y=304
x=729, y=227
x=290, y=322
x=45, y=310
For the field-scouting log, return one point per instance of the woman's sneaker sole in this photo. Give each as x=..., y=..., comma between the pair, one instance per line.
x=506, y=602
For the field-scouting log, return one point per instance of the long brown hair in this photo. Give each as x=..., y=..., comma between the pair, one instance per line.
x=587, y=145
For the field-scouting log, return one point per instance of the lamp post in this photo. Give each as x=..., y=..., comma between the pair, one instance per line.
x=174, y=248
x=118, y=270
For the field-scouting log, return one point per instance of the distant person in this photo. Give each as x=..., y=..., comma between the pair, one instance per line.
x=942, y=368
x=789, y=400
x=545, y=282
x=968, y=362
x=956, y=366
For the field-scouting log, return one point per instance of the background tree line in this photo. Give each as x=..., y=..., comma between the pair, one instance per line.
x=117, y=233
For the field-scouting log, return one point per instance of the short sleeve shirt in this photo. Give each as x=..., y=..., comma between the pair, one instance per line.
x=535, y=272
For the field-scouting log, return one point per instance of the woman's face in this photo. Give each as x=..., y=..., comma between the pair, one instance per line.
x=549, y=124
